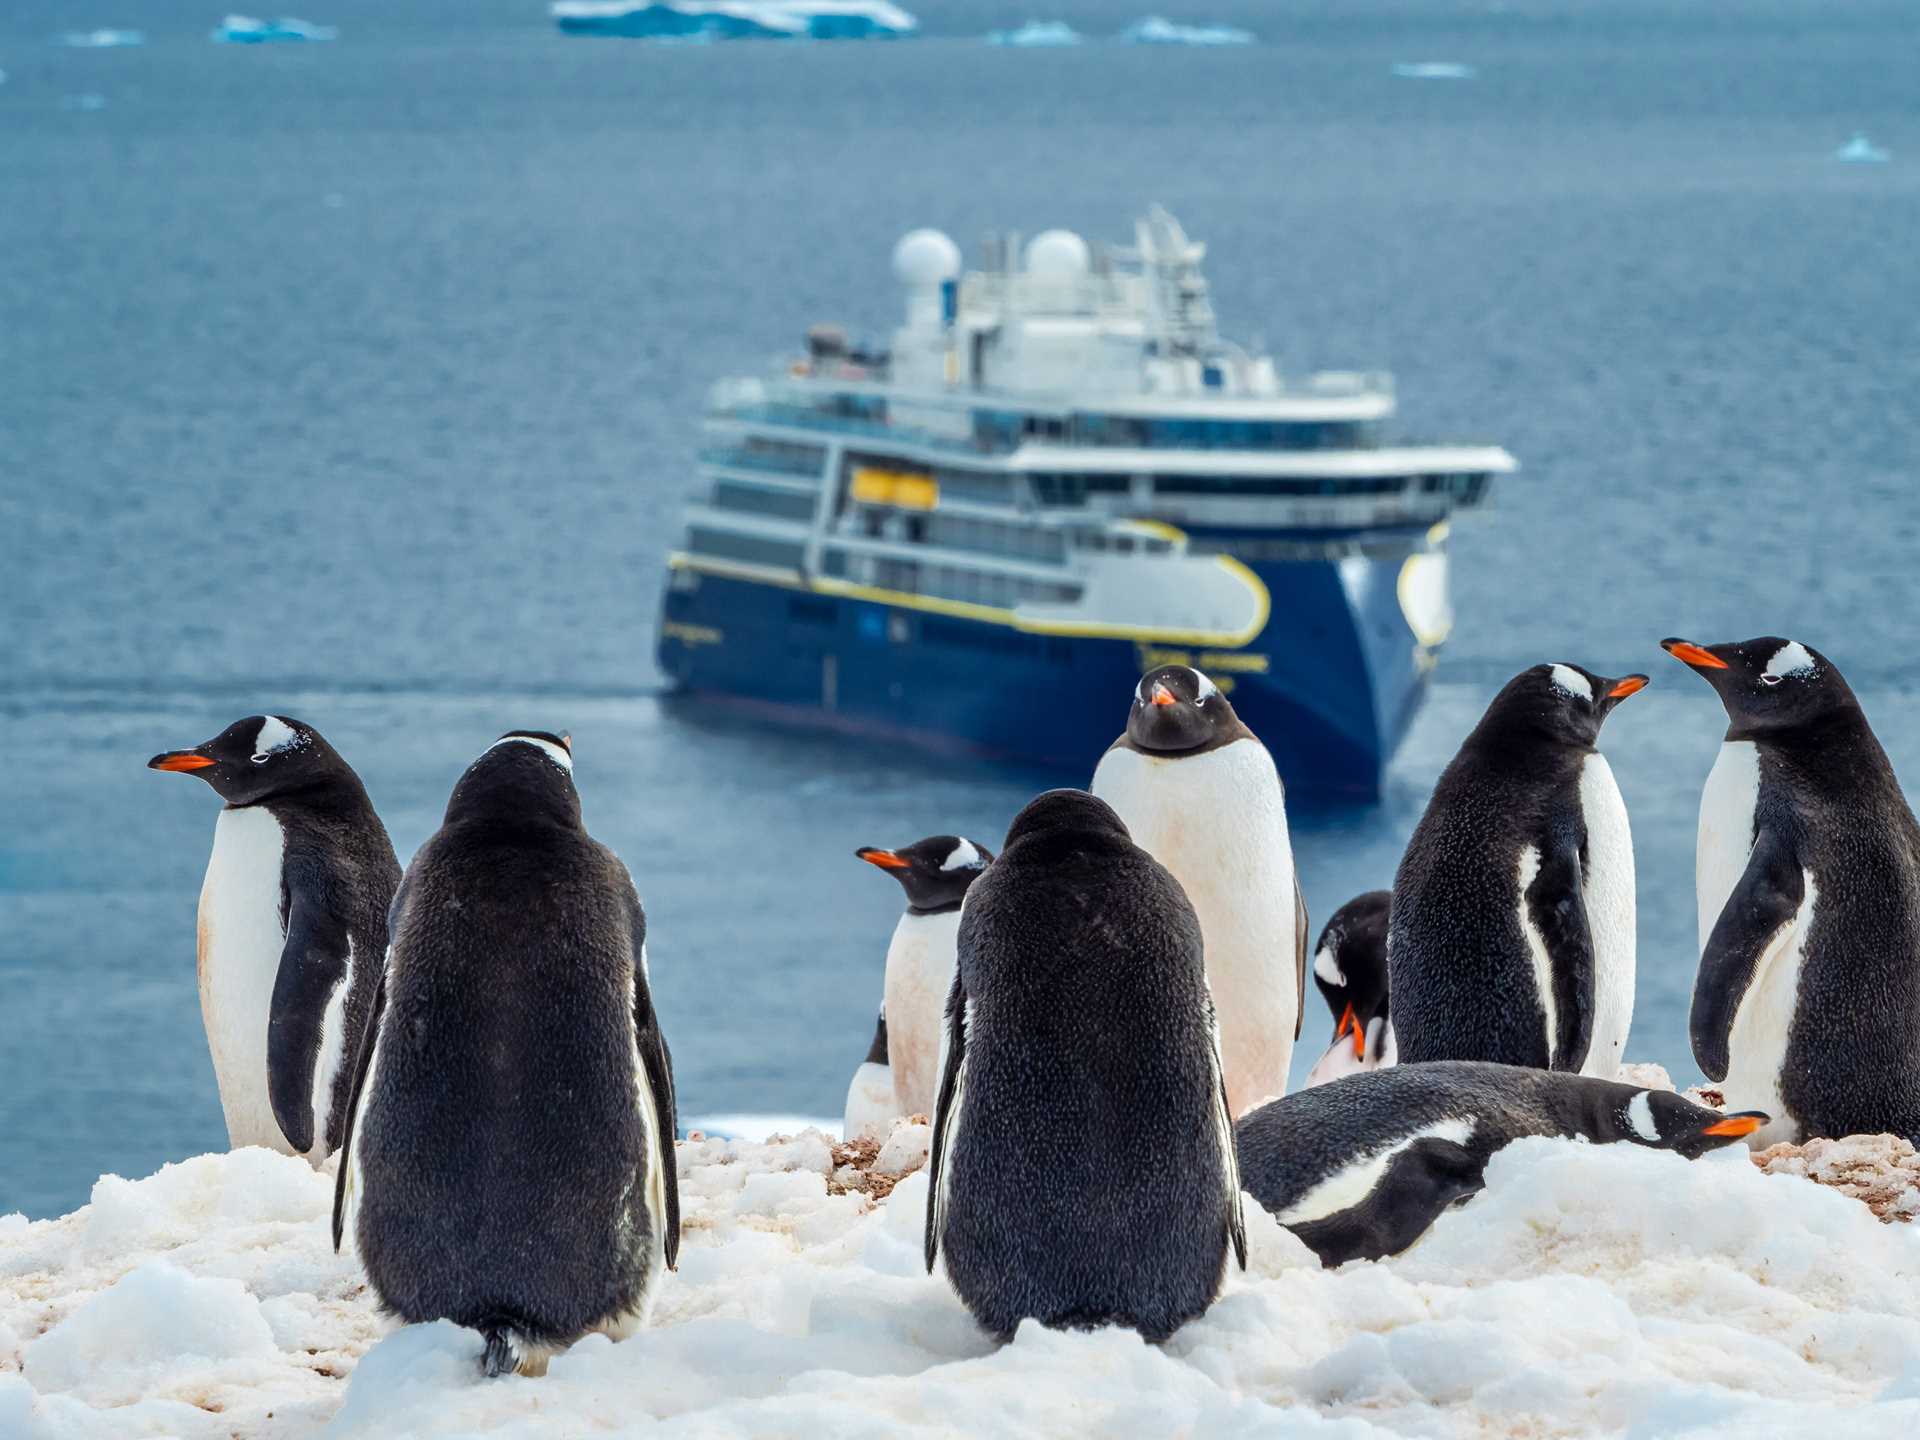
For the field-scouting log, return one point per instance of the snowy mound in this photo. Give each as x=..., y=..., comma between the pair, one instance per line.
x=1589, y=1290
x=1433, y=70
x=1036, y=34
x=1156, y=30
x=100, y=39
x=245, y=30
x=736, y=19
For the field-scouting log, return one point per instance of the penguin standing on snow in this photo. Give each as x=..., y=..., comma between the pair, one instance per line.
x=870, y=1105
x=293, y=925
x=935, y=873
x=1199, y=793
x=1361, y=1169
x=1082, y=1171
x=1512, y=927
x=510, y=1160
x=1350, y=968
x=1807, y=1001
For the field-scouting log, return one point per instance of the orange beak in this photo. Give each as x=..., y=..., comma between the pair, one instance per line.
x=1736, y=1125
x=885, y=859
x=1162, y=695
x=1351, y=1021
x=179, y=760
x=1692, y=654
x=1631, y=685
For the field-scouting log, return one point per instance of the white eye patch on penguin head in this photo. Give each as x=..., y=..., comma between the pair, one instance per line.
x=935, y=872
x=1767, y=683
x=1177, y=708
x=1566, y=701
x=254, y=758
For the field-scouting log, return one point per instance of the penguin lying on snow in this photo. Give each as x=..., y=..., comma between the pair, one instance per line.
x=935, y=873
x=1199, y=793
x=1512, y=929
x=293, y=924
x=1082, y=1170
x=1807, y=1000
x=510, y=1161
x=1361, y=1168
x=1350, y=968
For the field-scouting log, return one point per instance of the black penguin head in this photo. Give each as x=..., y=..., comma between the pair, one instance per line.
x=1768, y=683
x=1350, y=967
x=1177, y=710
x=258, y=758
x=1069, y=818
x=1665, y=1121
x=934, y=872
x=1559, y=701
x=525, y=778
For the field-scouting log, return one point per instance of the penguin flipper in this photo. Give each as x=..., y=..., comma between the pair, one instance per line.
x=1556, y=904
x=1230, y=1156
x=1420, y=1183
x=946, y=1109
x=343, y=1177
x=1755, y=916
x=1299, y=963
x=314, y=965
x=658, y=1063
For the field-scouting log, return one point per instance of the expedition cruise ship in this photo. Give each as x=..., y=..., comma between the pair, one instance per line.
x=1058, y=477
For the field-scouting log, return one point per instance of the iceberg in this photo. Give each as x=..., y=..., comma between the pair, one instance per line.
x=735, y=19
x=1157, y=30
x=1038, y=34
x=245, y=30
x=1433, y=70
x=100, y=39
x=1862, y=151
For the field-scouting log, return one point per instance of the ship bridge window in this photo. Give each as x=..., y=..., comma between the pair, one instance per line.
x=1187, y=434
x=996, y=429
x=1074, y=488
x=1277, y=485
x=733, y=495
x=753, y=549
x=987, y=486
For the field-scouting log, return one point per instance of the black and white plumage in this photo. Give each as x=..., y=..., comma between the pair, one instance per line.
x=1082, y=1171
x=870, y=1110
x=1512, y=930
x=1361, y=1168
x=292, y=928
x=1807, y=1000
x=510, y=1164
x=1350, y=969
x=934, y=874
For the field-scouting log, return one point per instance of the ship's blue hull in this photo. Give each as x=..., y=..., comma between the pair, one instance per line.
x=1330, y=684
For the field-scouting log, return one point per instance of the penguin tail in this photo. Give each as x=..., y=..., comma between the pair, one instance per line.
x=501, y=1356
x=510, y=1350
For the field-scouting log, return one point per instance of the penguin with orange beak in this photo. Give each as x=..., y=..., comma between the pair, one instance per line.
x=1350, y=970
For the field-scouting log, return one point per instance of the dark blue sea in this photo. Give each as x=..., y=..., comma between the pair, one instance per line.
x=361, y=382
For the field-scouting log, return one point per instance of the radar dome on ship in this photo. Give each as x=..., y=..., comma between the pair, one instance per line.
x=1059, y=254
x=925, y=258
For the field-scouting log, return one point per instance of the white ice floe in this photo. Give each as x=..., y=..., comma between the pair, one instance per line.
x=1158, y=30
x=246, y=30
x=1036, y=34
x=99, y=39
x=1862, y=151
x=735, y=19
x=1433, y=70
x=1590, y=1290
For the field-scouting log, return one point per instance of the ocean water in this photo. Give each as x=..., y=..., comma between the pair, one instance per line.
x=360, y=381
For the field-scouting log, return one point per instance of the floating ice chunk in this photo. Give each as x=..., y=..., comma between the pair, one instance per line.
x=1433, y=70
x=245, y=30
x=100, y=39
x=1158, y=30
x=87, y=101
x=699, y=20
x=1037, y=34
x=1862, y=151
x=756, y=1127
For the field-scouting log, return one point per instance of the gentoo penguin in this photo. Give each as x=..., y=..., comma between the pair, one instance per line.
x=293, y=924
x=1350, y=967
x=1361, y=1168
x=870, y=1104
x=1200, y=794
x=1807, y=1002
x=510, y=1164
x=1512, y=929
x=935, y=873
x=1082, y=1170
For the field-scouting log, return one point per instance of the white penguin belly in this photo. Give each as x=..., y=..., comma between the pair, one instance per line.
x=1608, y=893
x=920, y=964
x=1218, y=821
x=1757, y=1043
x=870, y=1103
x=1726, y=830
x=239, y=958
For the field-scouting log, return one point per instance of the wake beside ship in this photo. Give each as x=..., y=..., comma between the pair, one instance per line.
x=1058, y=477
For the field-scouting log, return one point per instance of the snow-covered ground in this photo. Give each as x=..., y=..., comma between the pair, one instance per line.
x=1590, y=1290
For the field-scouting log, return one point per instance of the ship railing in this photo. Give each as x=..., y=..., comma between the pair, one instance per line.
x=1314, y=513
x=732, y=457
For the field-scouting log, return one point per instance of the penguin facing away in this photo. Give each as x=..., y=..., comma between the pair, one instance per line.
x=1350, y=969
x=870, y=1108
x=292, y=928
x=1082, y=1169
x=1511, y=936
x=1199, y=792
x=1362, y=1168
x=510, y=1160
x=1807, y=1000
x=935, y=874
